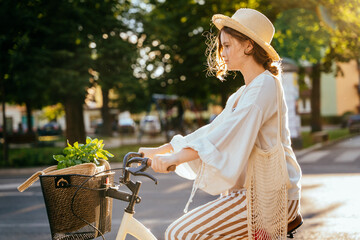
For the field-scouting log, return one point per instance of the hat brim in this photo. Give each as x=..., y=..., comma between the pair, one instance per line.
x=221, y=21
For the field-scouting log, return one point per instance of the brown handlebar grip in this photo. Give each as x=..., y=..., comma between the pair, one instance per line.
x=171, y=168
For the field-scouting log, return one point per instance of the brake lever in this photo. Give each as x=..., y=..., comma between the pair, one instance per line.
x=146, y=175
x=131, y=155
x=139, y=171
x=136, y=160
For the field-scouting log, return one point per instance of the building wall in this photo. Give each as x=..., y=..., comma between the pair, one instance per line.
x=346, y=93
x=338, y=93
x=291, y=91
x=14, y=116
x=328, y=94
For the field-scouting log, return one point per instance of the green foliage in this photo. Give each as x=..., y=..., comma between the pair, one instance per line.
x=175, y=44
x=45, y=48
x=53, y=112
x=299, y=36
x=43, y=156
x=30, y=157
x=339, y=18
x=90, y=152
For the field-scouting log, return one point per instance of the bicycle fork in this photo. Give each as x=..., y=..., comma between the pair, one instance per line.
x=129, y=225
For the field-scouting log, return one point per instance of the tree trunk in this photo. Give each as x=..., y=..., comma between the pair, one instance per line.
x=315, y=99
x=106, y=128
x=74, y=116
x=28, y=118
x=5, y=144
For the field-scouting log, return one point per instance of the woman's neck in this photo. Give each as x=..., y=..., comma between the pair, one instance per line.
x=250, y=73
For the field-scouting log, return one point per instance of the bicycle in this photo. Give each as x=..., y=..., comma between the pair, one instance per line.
x=129, y=224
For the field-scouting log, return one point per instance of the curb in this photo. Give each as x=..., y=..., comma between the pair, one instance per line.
x=320, y=145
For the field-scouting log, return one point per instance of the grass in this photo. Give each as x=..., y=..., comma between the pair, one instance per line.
x=26, y=157
x=338, y=133
x=334, y=134
x=120, y=152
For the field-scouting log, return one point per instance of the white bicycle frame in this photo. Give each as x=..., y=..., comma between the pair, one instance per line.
x=129, y=225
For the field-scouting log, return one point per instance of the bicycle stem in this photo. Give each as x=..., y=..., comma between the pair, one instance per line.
x=132, y=199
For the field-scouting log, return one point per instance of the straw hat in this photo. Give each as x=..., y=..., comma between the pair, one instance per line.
x=253, y=24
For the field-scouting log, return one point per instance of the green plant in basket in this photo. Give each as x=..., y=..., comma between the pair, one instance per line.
x=90, y=152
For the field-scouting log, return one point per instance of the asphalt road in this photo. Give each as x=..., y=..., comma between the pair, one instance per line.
x=330, y=206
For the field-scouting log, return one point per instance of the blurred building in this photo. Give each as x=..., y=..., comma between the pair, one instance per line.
x=340, y=94
x=291, y=90
x=14, y=117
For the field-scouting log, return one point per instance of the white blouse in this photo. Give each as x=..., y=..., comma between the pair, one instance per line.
x=225, y=144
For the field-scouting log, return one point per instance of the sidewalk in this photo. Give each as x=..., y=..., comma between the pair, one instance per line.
x=118, y=141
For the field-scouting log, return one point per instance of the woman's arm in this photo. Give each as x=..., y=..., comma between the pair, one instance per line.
x=151, y=152
x=161, y=162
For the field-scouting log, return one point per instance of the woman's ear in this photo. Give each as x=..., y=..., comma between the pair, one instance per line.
x=249, y=46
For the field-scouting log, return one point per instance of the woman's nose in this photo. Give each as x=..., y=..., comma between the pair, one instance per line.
x=222, y=54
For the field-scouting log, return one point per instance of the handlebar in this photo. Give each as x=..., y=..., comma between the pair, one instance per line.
x=133, y=198
x=132, y=157
x=144, y=163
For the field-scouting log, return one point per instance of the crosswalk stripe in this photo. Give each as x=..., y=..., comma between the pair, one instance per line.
x=314, y=156
x=348, y=156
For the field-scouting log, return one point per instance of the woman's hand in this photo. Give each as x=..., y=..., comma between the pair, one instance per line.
x=149, y=152
x=161, y=162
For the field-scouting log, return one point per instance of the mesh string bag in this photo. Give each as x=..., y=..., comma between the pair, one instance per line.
x=75, y=202
x=267, y=184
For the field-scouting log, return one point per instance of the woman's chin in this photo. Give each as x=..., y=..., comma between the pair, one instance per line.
x=233, y=69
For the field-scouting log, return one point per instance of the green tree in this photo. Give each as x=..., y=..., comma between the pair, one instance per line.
x=337, y=18
x=21, y=58
x=114, y=54
x=16, y=47
x=67, y=43
x=174, y=49
x=45, y=54
x=45, y=61
x=7, y=36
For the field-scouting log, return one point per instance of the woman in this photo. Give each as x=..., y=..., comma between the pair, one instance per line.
x=217, y=155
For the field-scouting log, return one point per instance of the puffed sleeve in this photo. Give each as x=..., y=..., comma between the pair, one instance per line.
x=189, y=170
x=226, y=149
x=178, y=142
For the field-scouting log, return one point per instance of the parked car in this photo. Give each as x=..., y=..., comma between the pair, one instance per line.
x=150, y=125
x=50, y=129
x=354, y=123
x=126, y=125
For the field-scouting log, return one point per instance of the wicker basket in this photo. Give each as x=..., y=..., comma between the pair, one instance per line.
x=75, y=204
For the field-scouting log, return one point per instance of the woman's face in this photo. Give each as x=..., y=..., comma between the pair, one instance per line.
x=233, y=51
